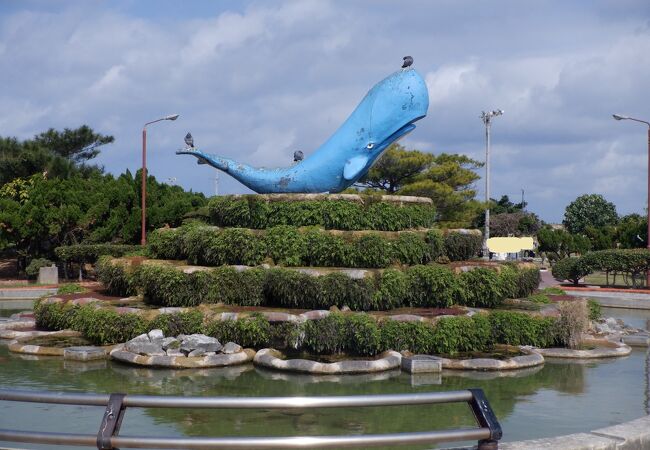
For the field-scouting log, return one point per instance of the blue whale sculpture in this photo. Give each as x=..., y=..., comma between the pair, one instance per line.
x=386, y=113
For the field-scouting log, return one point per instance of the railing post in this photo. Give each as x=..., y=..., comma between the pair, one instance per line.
x=485, y=418
x=111, y=421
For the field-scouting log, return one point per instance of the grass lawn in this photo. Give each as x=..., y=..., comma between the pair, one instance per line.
x=598, y=278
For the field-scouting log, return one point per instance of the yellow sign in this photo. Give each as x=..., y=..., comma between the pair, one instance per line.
x=510, y=244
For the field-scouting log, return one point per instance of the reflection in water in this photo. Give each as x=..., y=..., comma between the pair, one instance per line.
x=558, y=398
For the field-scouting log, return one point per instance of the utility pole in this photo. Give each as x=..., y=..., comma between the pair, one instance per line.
x=486, y=117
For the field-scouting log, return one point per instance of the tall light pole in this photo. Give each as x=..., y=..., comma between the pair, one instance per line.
x=486, y=117
x=143, y=240
x=620, y=117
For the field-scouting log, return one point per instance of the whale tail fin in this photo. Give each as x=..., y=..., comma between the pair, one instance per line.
x=205, y=158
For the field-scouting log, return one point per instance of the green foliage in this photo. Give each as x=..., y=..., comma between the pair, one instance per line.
x=251, y=331
x=105, y=326
x=189, y=322
x=89, y=253
x=462, y=246
x=250, y=211
x=391, y=291
x=290, y=246
x=589, y=210
x=416, y=337
x=337, y=289
x=480, y=287
x=515, y=328
x=595, y=310
x=431, y=286
x=461, y=334
x=632, y=231
x=559, y=244
x=514, y=224
x=71, y=288
x=54, y=316
x=116, y=277
x=232, y=287
x=552, y=291
x=539, y=298
x=34, y=266
x=292, y=289
x=528, y=279
x=572, y=269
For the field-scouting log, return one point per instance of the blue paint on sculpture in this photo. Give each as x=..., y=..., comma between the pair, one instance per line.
x=385, y=114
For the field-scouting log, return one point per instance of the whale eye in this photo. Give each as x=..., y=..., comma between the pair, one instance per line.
x=370, y=145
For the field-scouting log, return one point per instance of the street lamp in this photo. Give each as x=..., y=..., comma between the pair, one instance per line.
x=143, y=240
x=620, y=117
x=486, y=117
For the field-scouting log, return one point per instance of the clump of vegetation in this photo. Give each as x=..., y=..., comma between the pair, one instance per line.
x=71, y=288
x=595, y=310
x=35, y=265
x=552, y=291
x=573, y=321
x=538, y=298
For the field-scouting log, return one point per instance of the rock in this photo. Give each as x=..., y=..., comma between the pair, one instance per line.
x=334, y=309
x=144, y=348
x=200, y=341
x=406, y=318
x=174, y=352
x=196, y=353
x=345, y=308
x=141, y=338
x=156, y=334
x=230, y=348
x=84, y=353
x=170, y=342
x=315, y=314
x=421, y=364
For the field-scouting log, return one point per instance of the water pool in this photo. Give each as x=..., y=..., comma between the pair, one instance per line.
x=558, y=398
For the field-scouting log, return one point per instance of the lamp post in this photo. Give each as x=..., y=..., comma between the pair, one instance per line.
x=486, y=117
x=620, y=117
x=143, y=240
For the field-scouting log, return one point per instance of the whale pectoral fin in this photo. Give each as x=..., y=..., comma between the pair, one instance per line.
x=353, y=166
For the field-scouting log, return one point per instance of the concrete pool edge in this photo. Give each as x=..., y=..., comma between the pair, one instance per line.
x=631, y=435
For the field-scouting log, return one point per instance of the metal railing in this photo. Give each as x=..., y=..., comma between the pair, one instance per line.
x=488, y=433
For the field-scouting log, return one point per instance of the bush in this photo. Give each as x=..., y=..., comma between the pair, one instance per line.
x=105, y=326
x=595, y=310
x=416, y=337
x=34, y=266
x=89, y=253
x=166, y=243
x=71, y=288
x=291, y=289
x=323, y=249
x=250, y=211
x=232, y=287
x=572, y=269
x=54, y=316
x=285, y=245
x=515, y=328
x=411, y=249
x=168, y=286
x=337, y=289
x=116, y=277
x=189, y=322
x=527, y=281
x=480, y=287
x=252, y=331
x=392, y=288
x=462, y=246
x=573, y=321
x=372, y=250
x=461, y=334
x=431, y=286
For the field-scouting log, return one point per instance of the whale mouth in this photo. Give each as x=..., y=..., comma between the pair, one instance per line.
x=401, y=132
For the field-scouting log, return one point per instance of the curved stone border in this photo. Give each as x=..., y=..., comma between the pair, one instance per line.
x=183, y=362
x=271, y=358
x=609, y=350
x=530, y=359
x=632, y=435
x=18, y=345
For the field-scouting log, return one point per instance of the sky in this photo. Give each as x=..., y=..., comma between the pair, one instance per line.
x=257, y=80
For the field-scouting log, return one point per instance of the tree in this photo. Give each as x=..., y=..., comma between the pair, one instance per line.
x=445, y=178
x=56, y=153
x=514, y=224
x=589, y=210
x=632, y=231
x=559, y=244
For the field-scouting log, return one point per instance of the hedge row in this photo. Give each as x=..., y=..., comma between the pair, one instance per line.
x=290, y=246
x=89, y=253
x=632, y=264
x=253, y=211
x=426, y=286
x=356, y=334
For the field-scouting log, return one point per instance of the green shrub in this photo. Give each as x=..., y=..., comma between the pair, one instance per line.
x=189, y=322
x=34, y=266
x=337, y=289
x=326, y=335
x=411, y=249
x=462, y=246
x=54, y=316
x=166, y=243
x=372, y=250
x=105, y=326
x=552, y=291
x=480, y=287
x=509, y=279
x=285, y=245
x=538, y=298
x=116, y=277
x=362, y=335
x=324, y=249
x=251, y=331
x=291, y=289
x=595, y=310
x=416, y=337
x=527, y=281
x=232, y=287
x=168, y=286
x=251, y=211
x=436, y=242
x=515, y=328
x=461, y=334
x=392, y=288
x=572, y=269
x=70, y=288
x=431, y=286
x=89, y=253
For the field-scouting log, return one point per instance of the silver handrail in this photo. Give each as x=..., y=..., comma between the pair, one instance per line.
x=488, y=433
